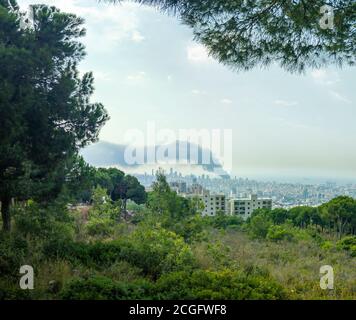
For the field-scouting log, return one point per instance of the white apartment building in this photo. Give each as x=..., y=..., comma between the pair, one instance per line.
x=244, y=207
x=213, y=204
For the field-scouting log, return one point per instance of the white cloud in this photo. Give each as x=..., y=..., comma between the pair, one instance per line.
x=325, y=77
x=137, y=77
x=102, y=76
x=198, y=53
x=107, y=25
x=226, y=101
x=137, y=36
x=285, y=103
x=198, y=92
x=337, y=96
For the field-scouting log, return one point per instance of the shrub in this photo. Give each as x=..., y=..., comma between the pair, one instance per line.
x=103, y=227
x=348, y=244
x=279, y=233
x=13, y=250
x=43, y=222
x=258, y=226
x=223, y=221
x=10, y=290
x=226, y=284
x=103, y=206
x=97, y=254
x=123, y=271
x=103, y=288
x=156, y=250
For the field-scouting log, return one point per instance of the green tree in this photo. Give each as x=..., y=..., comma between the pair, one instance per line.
x=129, y=188
x=79, y=180
x=305, y=216
x=166, y=203
x=45, y=109
x=247, y=33
x=340, y=214
x=108, y=178
x=259, y=223
x=120, y=186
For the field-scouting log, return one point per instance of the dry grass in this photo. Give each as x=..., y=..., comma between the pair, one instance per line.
x=295, y=265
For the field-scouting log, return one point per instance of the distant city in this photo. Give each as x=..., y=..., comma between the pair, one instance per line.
x=283, y=195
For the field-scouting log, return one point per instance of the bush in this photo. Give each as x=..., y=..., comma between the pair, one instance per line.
x=153, y=250
x=103, y=227
x=208, y=285
x=223, y=221
x=97, y=254
x=348, y=244
x=156, y=250
x=13, y=250
x=103, y=206
x=279, y=233
x=102, y=288
x=258, y=226
x=10, y=290
x=43, y=222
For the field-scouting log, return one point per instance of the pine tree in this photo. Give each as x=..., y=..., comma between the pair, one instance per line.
x=45, y=109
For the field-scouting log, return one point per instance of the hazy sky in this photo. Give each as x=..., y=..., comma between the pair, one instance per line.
x=148, y=68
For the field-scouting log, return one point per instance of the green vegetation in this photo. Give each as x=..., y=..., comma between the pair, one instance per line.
x=168, y=251
x=45, y=109
x=96, y=234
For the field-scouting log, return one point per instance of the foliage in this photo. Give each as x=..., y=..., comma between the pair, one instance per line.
x=151, y=262
x=222, y=221
x=172, y=211
x=103, y=288
x=338, y=216
x=349, y=244
x=209, y=285
x=129, y=188
x=279, y=233
x=259, y=224
x=120, y=186
x=103, y=206
x=246, y=34
x=43, y=221
x=156, y=251
x=46, y=116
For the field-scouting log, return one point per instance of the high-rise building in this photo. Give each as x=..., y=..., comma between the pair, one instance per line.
x=213, y=204
x=179, y=187
x=244, y=207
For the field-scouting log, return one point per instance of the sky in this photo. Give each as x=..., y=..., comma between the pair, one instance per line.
x=148, y=68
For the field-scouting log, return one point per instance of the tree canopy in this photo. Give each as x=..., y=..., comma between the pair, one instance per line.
x=45, y=109
x=295, y=34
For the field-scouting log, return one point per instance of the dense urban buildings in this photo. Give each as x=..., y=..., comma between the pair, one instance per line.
x=283, y=194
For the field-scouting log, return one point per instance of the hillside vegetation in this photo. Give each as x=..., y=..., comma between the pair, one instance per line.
x=94, y=233
x=164, y=249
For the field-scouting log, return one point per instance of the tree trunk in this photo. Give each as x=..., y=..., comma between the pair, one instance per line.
x=123, y=208
x=5, y=214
